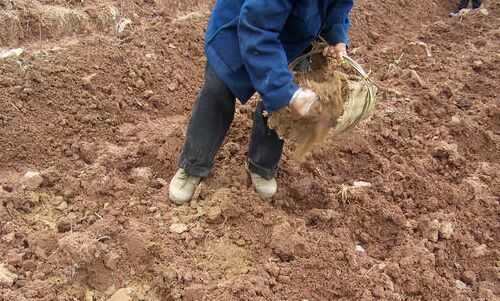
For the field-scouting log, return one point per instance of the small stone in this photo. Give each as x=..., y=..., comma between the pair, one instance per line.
x=123, y=294
x=240, y=242
x=460, y=284
x=152, y=209
x=142, y=173
x=360, y=184
x=172, y=86
x=360, y=249
x=7, y=278
x=479, y=251
x=446, y=230
x=214, y=215
x=32, y=180
x=9, y=53
x=469, y=277
x=140, y=84
x=148, y=93
x=455, y=121
x=178, y=228
x=63, y=206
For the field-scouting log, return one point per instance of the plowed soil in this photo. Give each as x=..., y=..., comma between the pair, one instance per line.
x=406, y=207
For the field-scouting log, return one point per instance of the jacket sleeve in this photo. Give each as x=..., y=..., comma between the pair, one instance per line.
x=337, y=24
x=261, y=22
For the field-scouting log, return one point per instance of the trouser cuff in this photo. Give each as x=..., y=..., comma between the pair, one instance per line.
x=266, y=173
x=195, y=171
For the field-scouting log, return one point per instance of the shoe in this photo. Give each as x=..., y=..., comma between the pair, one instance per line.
x=264, y=188
x=182, y=187
x=463, y=12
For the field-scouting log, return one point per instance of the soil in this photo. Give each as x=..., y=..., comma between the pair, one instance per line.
x=406, y=207
x=303, y=134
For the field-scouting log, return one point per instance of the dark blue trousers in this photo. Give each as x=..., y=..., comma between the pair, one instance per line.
x=211, y=117
x=464, y=3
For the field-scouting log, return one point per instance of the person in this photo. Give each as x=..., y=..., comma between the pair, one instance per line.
x=248, y=45
x=463, y=4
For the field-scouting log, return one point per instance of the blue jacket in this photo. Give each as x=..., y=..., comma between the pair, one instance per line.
x=249, y=43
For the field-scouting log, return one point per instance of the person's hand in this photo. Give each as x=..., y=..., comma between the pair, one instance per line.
x=337, y=51
x=305, y=103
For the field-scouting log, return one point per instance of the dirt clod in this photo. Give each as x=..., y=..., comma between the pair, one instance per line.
x=32, y=180
x=469, y=277
x=286, y=243
x=178, y=228
x=123, y=294
x=80, y=248
x=142, y=173
x=214, y=215
x=479, y=251
x=7, y=278
x=446, y=230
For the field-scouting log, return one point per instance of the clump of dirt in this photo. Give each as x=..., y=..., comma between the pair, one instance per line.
x=227, y=257
x=306, y=133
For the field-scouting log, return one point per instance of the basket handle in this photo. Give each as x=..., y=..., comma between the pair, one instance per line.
x=345, y=59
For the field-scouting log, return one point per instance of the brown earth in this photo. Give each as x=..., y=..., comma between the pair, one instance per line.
x=303, y=134
x=100, y=114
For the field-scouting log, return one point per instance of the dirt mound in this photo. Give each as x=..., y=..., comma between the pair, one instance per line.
x=404, y=208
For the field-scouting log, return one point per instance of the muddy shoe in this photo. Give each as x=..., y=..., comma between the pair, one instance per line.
x=265, y=188
x=182, y=187
x=459, y=12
